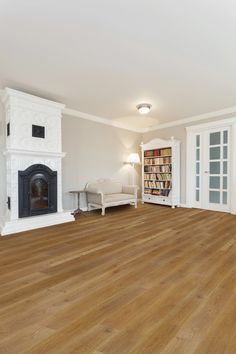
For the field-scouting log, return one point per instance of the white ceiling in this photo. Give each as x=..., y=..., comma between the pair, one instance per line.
x=104, y=57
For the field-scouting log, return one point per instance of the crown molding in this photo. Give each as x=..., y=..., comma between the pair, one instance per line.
x=204, y=116
x=216, y=124
x=174, y=123
x=101, y=120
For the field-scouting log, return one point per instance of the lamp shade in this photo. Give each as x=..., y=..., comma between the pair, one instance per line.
x=134, y=158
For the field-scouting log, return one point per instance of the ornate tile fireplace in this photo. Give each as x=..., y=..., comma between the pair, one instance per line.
x=33, y=162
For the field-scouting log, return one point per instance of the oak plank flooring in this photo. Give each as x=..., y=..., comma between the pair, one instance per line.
x=146, y=280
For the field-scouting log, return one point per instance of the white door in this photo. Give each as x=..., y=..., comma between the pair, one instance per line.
x=211, y=151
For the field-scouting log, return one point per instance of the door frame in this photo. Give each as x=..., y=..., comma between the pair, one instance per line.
x=190, y=175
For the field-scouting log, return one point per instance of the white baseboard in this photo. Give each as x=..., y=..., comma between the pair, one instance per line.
x=1, y=225
x=183, y=205
x=35, y=222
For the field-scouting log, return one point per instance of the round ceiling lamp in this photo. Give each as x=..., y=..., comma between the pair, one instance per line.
x=144, y=108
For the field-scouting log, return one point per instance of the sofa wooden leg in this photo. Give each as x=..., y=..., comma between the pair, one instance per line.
x=103, y=211
x=136, y=204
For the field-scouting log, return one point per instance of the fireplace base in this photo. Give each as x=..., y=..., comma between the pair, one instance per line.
x=35, y=222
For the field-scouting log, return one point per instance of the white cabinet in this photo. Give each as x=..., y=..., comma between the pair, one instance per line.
x=161, y=172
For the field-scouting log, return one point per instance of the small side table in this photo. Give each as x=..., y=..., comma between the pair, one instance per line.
x=77, y=200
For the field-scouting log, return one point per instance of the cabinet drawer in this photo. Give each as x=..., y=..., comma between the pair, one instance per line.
x=156, y=199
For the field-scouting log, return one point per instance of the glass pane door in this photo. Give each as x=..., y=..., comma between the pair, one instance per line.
x=217, y=173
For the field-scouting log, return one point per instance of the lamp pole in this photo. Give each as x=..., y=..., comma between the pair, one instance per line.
x=133, y=160
x=133, y=174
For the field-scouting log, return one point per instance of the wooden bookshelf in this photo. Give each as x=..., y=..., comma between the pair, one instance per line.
x=160, y=172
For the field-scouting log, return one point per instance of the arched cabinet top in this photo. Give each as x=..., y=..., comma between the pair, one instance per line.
x=160, y=143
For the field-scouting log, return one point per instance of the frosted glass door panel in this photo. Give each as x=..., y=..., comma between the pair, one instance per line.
x=214, y=182
x=215, y=138
x=198, y=169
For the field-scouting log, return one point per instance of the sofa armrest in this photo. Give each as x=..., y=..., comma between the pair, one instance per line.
x=94, y=195
x=130, y=190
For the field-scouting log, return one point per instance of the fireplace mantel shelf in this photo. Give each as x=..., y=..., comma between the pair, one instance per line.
x=35, y=153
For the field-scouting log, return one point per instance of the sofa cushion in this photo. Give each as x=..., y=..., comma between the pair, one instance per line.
x=106, y=187
x=110, y=198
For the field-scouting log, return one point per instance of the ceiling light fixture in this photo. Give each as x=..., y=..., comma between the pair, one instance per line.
x=144, y=108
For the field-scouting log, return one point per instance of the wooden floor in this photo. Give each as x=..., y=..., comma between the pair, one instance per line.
x=146, y=280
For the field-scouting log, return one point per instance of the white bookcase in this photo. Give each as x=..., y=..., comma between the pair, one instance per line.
x=161, y=172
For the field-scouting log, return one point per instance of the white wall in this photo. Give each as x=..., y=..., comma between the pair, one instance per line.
x=3, y=196
x=95, y=151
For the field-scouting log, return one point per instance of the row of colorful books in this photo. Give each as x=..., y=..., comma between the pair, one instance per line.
x=157, y=176
x=157, y=184
x=157, y=169
x=159, y=192
x=157, y=152
x=163, y=168
x=157, y=160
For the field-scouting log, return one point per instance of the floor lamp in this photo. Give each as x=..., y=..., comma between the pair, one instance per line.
x=133, y=159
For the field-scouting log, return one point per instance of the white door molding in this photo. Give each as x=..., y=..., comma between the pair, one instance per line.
x=233, y=169
x=190, y=133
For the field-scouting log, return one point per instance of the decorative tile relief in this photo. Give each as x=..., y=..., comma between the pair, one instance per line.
x=21, y=131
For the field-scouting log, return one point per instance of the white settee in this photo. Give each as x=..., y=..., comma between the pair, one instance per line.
x=108, y=193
